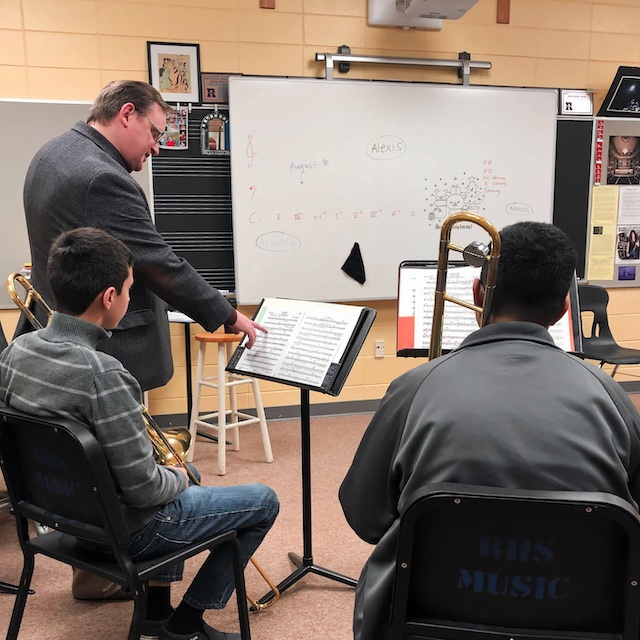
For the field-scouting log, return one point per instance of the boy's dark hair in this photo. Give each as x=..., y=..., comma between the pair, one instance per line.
x=535, y=270
x=82, y=263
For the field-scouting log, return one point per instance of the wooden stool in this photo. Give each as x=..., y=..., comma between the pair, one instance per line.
x=223, y=381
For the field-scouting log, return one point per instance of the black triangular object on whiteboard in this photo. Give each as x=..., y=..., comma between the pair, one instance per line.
x=354, y=266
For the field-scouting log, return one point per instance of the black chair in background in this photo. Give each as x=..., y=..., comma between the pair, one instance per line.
x=598, y=342
x=479, y=563
x=57, y=475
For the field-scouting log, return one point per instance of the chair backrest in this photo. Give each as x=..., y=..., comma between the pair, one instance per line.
x=483, y=558
x=57, y=475
x=594, y=299
x=3, y=340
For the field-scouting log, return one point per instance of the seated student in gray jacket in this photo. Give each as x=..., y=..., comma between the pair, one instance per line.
x=57, y=371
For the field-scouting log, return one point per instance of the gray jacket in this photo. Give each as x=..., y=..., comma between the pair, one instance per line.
x=79, y=179
x=506, y=409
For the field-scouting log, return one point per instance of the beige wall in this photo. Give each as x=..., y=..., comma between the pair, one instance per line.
x=68, y=49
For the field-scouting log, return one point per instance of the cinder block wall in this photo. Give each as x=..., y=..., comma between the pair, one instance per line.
x=69, y=49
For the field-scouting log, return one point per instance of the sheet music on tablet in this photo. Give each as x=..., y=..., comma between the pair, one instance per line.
x=416, y=291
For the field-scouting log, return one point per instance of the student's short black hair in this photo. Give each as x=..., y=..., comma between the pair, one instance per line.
x=84, y=262
x=535, y=270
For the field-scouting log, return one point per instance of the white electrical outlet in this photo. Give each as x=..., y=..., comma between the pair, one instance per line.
x=378, y=349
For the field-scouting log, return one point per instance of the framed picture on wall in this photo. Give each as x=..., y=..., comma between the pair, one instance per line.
x=215, y=88
x=174, y=70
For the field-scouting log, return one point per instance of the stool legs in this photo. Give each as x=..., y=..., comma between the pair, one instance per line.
x=222, y=411
x=221, y=383
x=193, y=427
x=233, y=403
x=266, y=442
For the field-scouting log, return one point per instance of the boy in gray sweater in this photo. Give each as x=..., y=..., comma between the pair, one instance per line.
x=57, y=372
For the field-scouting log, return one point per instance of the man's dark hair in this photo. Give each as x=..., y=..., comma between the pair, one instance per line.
x=82, y=263
x=536, y=266
x=117, y=93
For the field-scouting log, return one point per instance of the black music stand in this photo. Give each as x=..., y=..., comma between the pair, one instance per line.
x=296, y=340
x=304, y=564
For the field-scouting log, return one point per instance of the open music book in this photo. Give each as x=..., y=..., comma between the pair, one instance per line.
x=311, y=345
x=416, y=291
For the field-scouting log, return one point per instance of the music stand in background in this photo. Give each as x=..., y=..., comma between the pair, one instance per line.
x=295, y=327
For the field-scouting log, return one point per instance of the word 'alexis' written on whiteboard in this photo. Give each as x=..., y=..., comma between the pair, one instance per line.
x=377, y=164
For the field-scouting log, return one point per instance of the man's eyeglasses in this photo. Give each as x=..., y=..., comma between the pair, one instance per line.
x=156, y=132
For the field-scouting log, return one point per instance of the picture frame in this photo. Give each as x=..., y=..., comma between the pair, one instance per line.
x=174, y=70
x=623, y=98
x=576, y=102
x=215, y=88
x=214, y=134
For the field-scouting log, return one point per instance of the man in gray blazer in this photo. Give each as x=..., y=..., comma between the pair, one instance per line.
x=83, y=179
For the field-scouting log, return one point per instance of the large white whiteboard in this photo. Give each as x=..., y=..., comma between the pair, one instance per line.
x=319, y=165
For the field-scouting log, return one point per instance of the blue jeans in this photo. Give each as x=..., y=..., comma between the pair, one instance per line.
x=200, y=512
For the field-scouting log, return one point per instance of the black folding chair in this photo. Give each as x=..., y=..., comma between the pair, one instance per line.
x=57, y=475
x=598, y=342
x=480, y=563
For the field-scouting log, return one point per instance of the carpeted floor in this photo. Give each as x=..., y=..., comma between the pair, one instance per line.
x=314, y=608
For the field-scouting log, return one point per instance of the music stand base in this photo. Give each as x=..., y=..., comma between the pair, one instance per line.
x=12, y=589
x=304, y=566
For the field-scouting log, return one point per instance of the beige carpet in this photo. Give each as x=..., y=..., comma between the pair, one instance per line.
x=314, y=608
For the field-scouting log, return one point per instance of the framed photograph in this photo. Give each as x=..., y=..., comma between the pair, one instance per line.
x=215, y=87
x=174, y=70
x=623, y=97
x=576, y=102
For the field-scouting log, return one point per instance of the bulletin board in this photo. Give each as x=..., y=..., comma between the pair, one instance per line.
x=613, y=256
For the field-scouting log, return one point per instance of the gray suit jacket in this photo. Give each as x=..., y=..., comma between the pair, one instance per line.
x=79, y=179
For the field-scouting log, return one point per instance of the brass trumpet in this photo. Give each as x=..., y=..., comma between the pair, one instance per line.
x=475, y=255
x=170, y=446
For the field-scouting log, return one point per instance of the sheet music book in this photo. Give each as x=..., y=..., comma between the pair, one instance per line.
x=416, y=292
x=311, y=345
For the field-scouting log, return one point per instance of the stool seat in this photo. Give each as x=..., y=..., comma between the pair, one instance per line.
x=224, y=419
x=218, y=337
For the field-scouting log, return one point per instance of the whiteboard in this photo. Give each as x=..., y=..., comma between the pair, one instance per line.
x=319, y=165
x=28, y=125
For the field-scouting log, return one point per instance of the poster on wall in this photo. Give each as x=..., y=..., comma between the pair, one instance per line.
x=174, y=70
x=614, y=238
x=175, y=136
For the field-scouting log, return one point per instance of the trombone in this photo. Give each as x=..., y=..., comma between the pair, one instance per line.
x=164, y=452
x=475, y=255
x=31, y=300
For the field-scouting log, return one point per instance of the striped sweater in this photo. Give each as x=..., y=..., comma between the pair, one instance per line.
x=57, y=371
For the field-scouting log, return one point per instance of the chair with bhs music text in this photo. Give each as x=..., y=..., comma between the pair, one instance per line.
x=224, y=421
x=485, y=563
x=598, y=342
x=57, y=474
